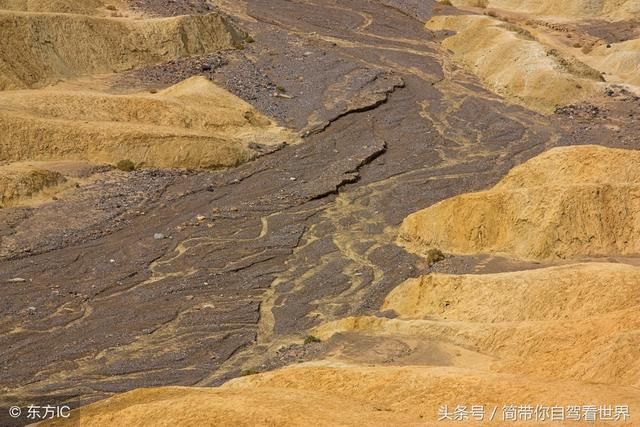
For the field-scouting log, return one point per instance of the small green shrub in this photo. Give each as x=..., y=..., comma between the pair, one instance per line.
x=126, y=165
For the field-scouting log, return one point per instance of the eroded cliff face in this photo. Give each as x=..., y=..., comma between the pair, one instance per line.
x=571, y=9
x=566, y=203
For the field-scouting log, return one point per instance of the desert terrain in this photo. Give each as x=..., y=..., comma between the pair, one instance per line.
x=328, y=212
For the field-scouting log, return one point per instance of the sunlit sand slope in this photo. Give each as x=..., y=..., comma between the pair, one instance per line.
x=513, y=64
x=600, y=342
x=613, y=9
x=567, y=202
x=192, y=124
x=571, y=292
x=61, y=6
x=341, y=395
x=20, y=181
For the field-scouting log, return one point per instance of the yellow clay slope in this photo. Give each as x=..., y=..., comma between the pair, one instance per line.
x=42, y=48
x=621, y=61
x=571, y=292
x=601, y=345
x=20, y=181
x=567, y=202
x=247, y=407
x=612, y=9
x=514, y=65
x=59, y=6
x=192, y=124
x=341, y=395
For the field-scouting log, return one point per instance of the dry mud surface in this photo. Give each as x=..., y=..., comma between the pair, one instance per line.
x=167, y=278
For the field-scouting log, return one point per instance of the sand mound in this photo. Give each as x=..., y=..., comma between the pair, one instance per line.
x=342, y=395
x=418, y=391
x=567, y=202
x=37, y=48
x=514, y=65
x=561, y=293
x=613, y=9
x=59, y=6
x=573, y=322
x=192, y=124
x=21, y=181
x=265, y=406
x=603, y=349
x=621, y=61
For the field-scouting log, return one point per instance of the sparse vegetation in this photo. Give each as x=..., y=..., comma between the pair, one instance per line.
x=281, y=89
x=247, y=372
x=434, y=255
x=126, y=165
x=309, y=339
x=446, y=2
